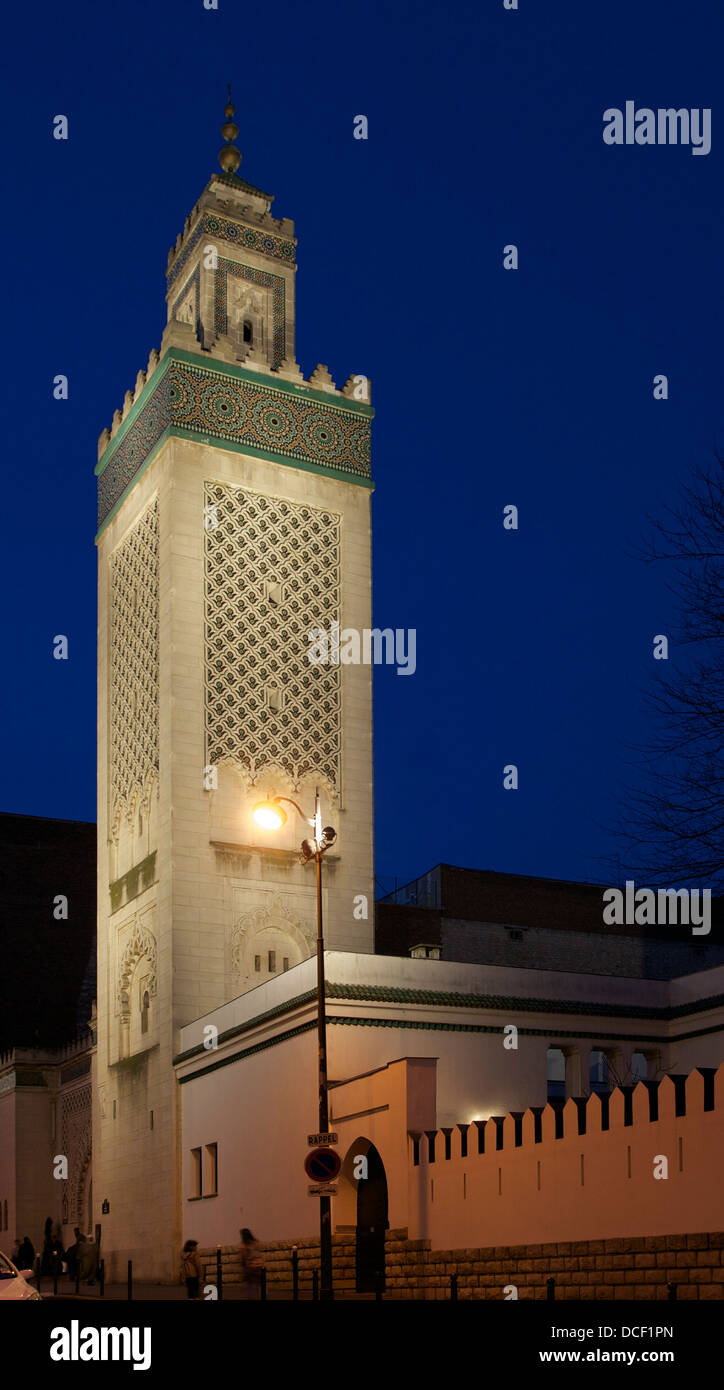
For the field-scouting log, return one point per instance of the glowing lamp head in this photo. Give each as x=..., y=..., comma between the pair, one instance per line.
x=269, y=815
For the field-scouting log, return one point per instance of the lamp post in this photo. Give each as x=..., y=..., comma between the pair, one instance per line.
x=271, y=816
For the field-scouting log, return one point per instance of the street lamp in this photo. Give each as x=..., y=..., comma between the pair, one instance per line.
x=270, y=815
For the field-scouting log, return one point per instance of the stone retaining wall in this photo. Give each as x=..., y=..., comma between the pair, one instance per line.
x=640, y=1268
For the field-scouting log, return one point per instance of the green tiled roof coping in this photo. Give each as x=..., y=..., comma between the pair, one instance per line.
x=380, y=993
x=214, y=366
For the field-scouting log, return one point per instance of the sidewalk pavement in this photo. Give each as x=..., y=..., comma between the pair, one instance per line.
x=164, y=1293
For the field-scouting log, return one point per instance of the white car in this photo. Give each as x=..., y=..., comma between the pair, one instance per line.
x=13, y=1282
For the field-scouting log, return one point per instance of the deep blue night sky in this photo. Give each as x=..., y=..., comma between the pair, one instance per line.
x=491, y=387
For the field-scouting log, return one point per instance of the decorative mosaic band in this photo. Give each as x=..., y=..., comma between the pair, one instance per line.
x=195, y=280
x=224, y=229
x=136, y=445
x=195, y=401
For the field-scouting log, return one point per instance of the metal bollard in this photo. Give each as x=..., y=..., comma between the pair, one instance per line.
x=130, y=1279
x=263, y=1285
x=219, y=1274
x=454, y=1288
x=102, y=1278
x=295, y=1273
x=315, y=1284
x=672, y=1292
x=550, y=1288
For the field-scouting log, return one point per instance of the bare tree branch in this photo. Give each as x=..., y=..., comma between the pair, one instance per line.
x=674, y=816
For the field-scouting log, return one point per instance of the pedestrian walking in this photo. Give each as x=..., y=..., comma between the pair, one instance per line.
x=57, y=1252
x=26, y=1254
x=87, y=1258
x=192, y=1272
x=252, y=1264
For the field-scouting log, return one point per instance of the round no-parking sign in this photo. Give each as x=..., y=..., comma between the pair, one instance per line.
x=322, y=1165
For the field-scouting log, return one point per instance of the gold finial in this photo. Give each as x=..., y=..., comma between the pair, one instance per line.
x=229, y=156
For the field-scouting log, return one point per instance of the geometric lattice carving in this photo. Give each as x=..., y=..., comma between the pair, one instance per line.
x=134, y=667
x=141, y=943
x=76, y=1145
x=272, y=572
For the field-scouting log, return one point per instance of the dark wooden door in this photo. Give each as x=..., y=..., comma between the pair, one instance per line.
x=372, y=1224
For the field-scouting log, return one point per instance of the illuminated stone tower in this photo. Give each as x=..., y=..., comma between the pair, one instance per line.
x=234, y=502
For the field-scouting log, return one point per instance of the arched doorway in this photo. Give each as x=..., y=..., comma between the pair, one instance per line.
x=372, y=1222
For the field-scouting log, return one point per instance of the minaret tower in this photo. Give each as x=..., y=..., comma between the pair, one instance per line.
x=234, y=519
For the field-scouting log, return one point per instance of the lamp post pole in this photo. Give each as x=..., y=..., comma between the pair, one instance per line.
x=270, y=816
x=325, y=1203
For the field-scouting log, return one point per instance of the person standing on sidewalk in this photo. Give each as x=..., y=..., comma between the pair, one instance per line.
x=252, y=1264
x=192, y=1271
x=46, y=1259
x=71, y=1254
x=87, y=1258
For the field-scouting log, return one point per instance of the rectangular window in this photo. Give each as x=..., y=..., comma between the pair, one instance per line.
x=195, y=1182
x=285, y=962
x=257, y=963
x=272, y=961
x=211, y=1187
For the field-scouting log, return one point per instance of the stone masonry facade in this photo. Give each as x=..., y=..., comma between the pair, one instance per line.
x=591, y=1270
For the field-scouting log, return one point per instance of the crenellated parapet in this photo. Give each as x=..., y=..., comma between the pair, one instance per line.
x=202, y=395
x=47, y=1056
x=646, y=1158
x=670, y=1098
x=356, y=388
x=142, y=380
